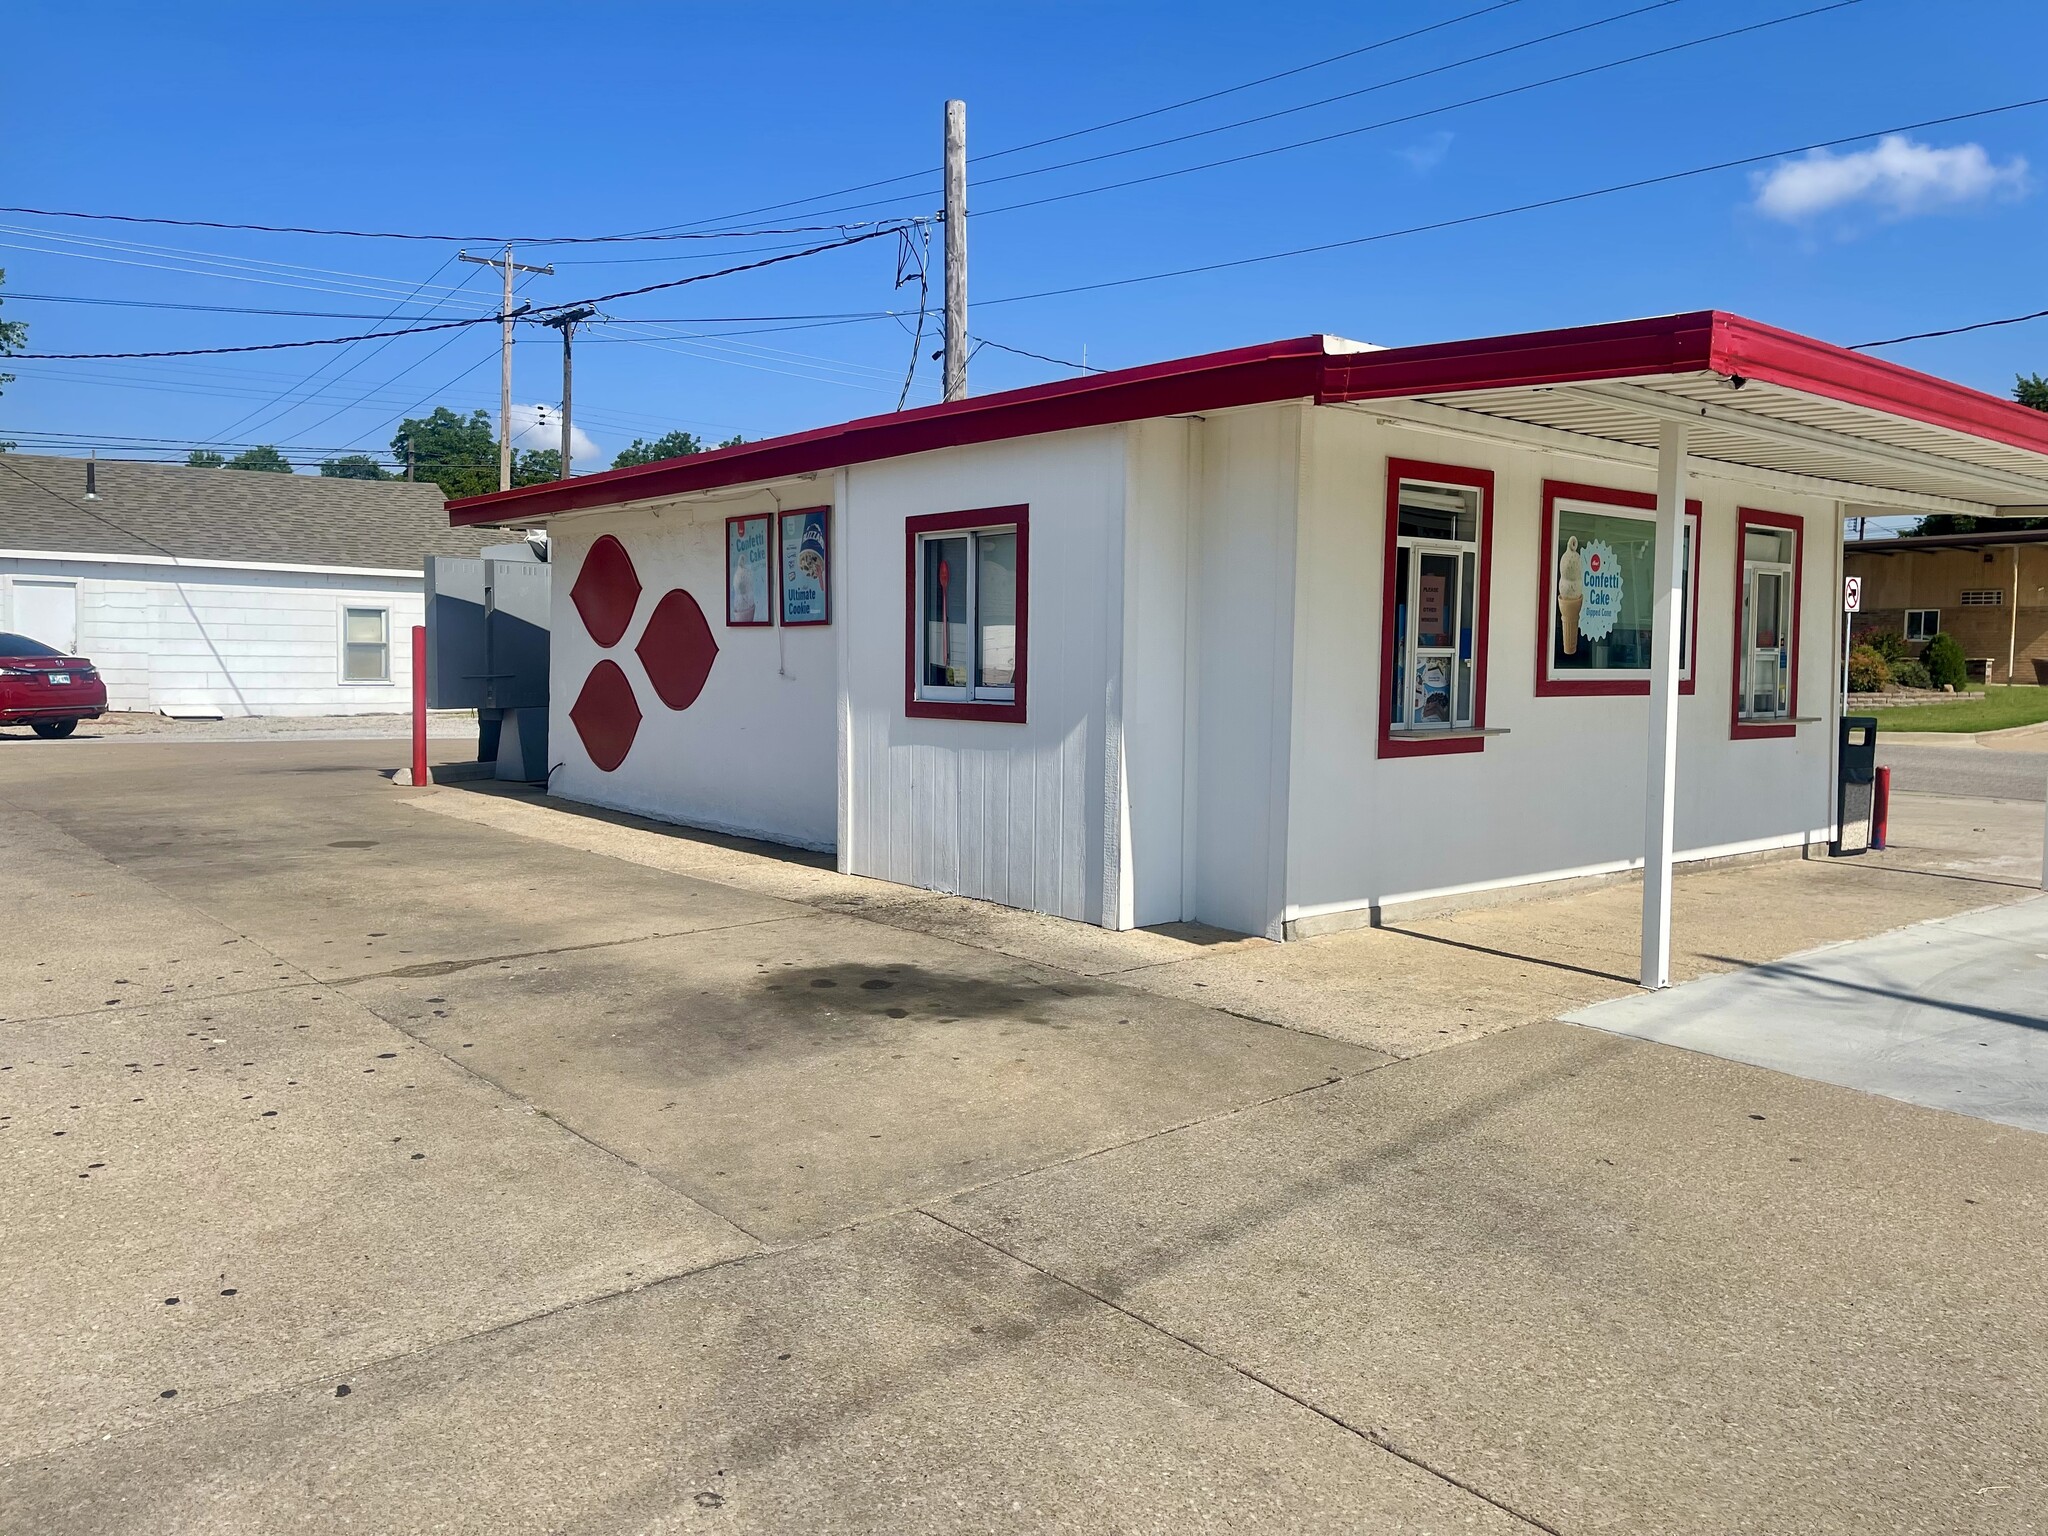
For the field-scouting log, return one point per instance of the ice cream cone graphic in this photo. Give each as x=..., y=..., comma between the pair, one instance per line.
x=1571, y=593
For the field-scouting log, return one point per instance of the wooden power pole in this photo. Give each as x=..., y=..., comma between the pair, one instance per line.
x=566, y=324
x=508, y=266
x=956, y=251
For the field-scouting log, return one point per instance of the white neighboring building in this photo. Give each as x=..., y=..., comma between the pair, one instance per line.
x=1280, y=639
x=218, y=591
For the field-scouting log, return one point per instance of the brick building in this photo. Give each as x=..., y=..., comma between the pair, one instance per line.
x=1989, y=589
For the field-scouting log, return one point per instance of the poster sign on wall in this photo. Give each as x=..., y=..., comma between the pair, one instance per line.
x=746, y=571
x=806, y=566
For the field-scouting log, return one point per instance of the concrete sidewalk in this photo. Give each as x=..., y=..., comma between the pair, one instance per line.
x=383, y=1169
x=1952, y=1014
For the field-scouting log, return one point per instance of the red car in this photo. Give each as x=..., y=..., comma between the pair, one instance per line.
x=45, y=689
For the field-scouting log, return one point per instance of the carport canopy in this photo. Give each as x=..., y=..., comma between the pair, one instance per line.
x=1680, y=393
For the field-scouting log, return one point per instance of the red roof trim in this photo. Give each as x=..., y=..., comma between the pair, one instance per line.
x=1702, y=341
x=1280, y=370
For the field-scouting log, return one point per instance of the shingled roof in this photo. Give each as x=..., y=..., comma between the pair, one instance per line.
x=224, y=514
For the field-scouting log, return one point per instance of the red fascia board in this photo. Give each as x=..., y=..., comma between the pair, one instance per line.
x=1576, y=355
x=1280, y=370
x=1785, y=358
x=1699, y=341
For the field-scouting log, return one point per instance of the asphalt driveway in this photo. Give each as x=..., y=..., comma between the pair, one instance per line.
x=410, y=1160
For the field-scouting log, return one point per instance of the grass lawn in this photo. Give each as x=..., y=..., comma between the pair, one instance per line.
x=1998, y=709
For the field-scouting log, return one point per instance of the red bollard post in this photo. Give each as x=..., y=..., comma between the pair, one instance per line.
x=1880, y=807
x=419, y=705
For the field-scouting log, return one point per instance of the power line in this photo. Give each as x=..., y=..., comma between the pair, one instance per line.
x=1954, y=330
x=1388, y=122
x=490, y=319
x=333, y=314
x=1059, y=362
x=1364, y=90
x=1075, y=133
x=387, y=234
x=1530, y=207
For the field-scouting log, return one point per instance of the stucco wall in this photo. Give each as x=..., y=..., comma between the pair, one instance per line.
x=757, y=751
x=1562, y=793
x=1014, y=813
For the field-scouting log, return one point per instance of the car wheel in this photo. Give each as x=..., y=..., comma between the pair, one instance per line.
x=55, y=730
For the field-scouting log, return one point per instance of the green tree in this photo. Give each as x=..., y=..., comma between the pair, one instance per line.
x=262, y=457
x=458, y=453
x=734, y=441
x=13, y=337
x=536, y=466
x=204, y=458
x=355, y=466
x=675, y=445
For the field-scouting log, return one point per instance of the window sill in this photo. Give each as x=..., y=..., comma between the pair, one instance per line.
x=963, y=709
x=1413, y=743
x=1456, y=733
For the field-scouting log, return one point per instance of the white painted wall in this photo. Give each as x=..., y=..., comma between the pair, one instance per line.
x=1562, y=793
x=756, y=754
x=1014, y=813
x=243, y=642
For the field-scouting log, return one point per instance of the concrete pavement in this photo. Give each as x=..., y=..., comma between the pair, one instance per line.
x=434, y=1160
x=1952, y=1014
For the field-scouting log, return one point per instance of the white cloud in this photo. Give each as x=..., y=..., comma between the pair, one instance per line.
x=1426, y=156
x=540, y=426
x=1897, y=177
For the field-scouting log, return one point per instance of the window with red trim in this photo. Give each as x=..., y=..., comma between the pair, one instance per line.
x=967, y=584
x=1768, y=556
x=1439, y=542
x=1595, y=614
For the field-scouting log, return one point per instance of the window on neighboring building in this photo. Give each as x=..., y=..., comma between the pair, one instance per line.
x=967, y=596
x=1922, y=624
x=1767, y=623
x=1599, y=593
x=1433, y=633
x=1984, y=597
x=366, y=645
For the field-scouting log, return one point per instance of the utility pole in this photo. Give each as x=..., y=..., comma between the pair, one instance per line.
x=408, y=456
x=508, y=266
x=566, y=324
x=956, y=251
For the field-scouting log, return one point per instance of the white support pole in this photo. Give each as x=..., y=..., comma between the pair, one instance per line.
x=1661, y=781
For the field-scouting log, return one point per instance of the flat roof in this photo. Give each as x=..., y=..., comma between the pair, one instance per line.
x=1906, y=543
x=1751, y=394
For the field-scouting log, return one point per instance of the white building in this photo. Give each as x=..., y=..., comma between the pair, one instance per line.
x=1276, y=639
x=222, y=592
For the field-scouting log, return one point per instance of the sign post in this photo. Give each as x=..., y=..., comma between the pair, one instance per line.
x=1852, y=604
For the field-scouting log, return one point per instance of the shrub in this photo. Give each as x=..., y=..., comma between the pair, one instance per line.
x=1867, y=671
x=1910, y=674
x=1944, y=662
x=1888, y=643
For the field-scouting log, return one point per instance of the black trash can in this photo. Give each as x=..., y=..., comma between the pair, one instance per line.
x=1856, y=789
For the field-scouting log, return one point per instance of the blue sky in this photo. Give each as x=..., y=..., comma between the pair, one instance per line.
x=526, y=119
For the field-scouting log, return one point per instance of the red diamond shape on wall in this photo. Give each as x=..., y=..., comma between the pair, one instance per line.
x=606, y=715
x=677, y=649
x=607, y=591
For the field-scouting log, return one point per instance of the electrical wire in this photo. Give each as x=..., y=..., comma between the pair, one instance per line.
x=1954, y=330
x=1075, y=133
x=1419, y=115
x=490, y=319
x=386, y=234
x=1060, y=362
x=1559, y=201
